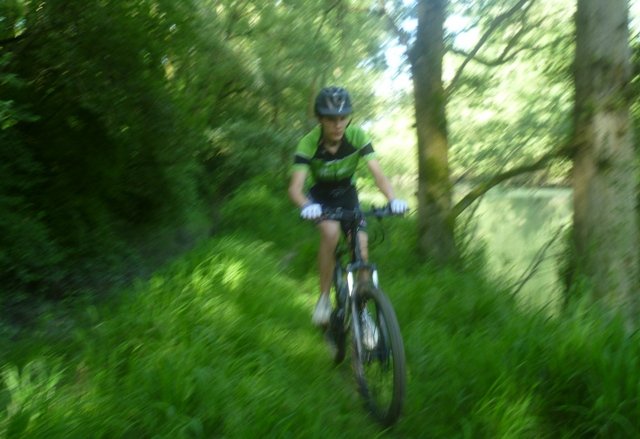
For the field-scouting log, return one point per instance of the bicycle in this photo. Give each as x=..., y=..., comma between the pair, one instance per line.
x=378, y=358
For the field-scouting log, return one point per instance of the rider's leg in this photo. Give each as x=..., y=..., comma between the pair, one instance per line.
x=329, y=236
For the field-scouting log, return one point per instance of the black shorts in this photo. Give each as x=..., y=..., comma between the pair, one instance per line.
x=345, y=196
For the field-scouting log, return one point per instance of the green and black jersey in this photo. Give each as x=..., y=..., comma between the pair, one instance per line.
x=337, y=169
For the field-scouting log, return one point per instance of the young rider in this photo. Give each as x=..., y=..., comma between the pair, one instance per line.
x=330, y=154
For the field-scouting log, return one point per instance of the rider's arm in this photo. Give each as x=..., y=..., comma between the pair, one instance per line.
x=296, y=187
x=381, y=180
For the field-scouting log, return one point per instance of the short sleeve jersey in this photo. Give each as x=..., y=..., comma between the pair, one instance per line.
x=325, y=167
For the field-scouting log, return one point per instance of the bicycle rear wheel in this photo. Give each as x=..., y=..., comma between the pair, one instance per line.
x=339, y=321
x=378, y=361
x=337, y=336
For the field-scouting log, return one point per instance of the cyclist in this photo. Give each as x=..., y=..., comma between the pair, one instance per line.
x=330, y=154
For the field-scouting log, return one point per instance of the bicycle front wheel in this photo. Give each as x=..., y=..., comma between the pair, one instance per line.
x=378, y=355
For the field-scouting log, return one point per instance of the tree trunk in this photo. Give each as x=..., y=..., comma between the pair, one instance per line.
x=435, y=222
x=604, y=173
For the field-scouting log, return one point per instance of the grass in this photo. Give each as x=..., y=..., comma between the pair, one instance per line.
x=219, y=344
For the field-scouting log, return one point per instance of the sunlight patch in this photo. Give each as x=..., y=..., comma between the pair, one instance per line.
x=29, y=392
x=229, y=273
x=234, y=274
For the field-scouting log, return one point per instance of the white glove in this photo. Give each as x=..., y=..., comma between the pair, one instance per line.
x=311, y=211
x=398, y=206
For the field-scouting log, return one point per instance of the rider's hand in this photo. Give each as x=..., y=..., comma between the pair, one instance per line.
x=311, y=211
x=398, y=206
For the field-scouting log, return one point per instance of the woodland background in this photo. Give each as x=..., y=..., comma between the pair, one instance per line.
x=155, y=280
x=125, y=125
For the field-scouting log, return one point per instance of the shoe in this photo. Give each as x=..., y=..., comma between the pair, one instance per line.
x=369, y=330
x=322, y=313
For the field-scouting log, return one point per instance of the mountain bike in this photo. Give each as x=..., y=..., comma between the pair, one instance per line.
x=378, y=358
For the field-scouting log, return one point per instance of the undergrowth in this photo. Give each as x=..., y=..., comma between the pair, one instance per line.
x=219, y=344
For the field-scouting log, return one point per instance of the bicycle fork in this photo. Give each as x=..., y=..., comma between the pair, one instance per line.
x=355, y=304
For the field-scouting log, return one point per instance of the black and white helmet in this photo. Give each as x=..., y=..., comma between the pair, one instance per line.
x=333, y=101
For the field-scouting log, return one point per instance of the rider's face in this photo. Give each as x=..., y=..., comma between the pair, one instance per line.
x=333, y=127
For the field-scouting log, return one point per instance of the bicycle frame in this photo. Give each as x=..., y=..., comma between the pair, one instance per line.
x=355, y=300
x=356, y=264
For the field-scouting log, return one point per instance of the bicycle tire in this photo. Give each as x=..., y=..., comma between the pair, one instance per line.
x=380, y=371
x=338, y=324
x=338, y=336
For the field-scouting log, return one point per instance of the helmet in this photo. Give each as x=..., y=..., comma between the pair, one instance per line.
x=333, y=101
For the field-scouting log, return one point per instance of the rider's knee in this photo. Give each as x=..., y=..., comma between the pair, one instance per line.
x=364, y=240
x=330, y=233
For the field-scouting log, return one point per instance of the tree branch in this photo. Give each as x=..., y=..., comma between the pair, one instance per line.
x=403, y=36
x=509, y=53
x=227, y=90
x=325, y=14
x=484, y=61
x=484, y=187
x=495, y=25
x=537, y=260
x=235, y=15
x=12, y=40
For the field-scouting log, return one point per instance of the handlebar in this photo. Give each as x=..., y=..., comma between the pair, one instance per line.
x=348, y=215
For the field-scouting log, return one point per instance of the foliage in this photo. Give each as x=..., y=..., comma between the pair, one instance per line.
x=27, y=251
x=507, y=72
x=635, y=85
x=513, y=101
x=122, y=123
x=219, y=343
